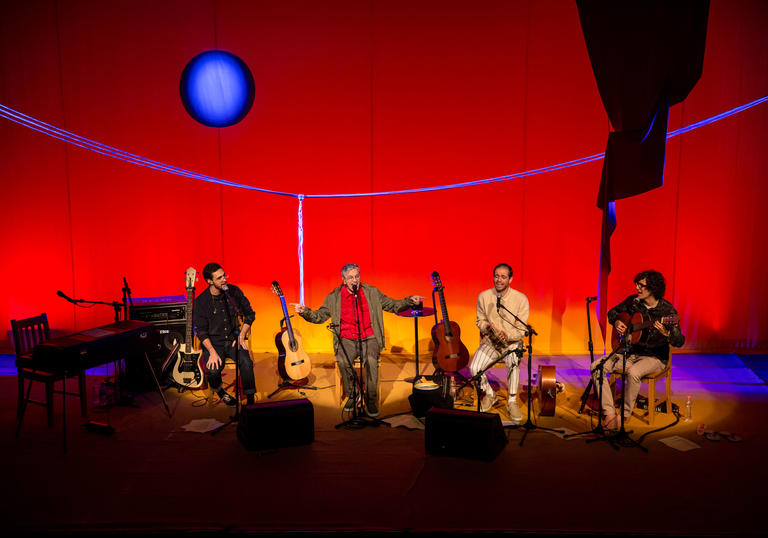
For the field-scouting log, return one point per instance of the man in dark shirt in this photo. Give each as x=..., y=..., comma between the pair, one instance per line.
x=216, y=314
x=651, y=353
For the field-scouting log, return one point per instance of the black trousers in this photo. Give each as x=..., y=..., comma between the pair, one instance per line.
x=246, y=367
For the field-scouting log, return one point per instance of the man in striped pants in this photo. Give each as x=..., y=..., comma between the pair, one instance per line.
x=501, y=332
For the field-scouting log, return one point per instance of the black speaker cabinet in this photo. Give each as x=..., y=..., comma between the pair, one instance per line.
x=168, y=314
x=266, y=425
x=464, y=434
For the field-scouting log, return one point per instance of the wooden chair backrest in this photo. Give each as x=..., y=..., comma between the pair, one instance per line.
x=27, y=333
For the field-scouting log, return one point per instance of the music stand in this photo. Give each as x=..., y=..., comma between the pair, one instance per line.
x=416, y=312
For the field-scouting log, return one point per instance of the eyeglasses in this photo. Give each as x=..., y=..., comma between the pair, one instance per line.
x=640, y=286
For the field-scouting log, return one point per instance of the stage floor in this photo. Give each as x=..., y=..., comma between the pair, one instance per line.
x=153, y=475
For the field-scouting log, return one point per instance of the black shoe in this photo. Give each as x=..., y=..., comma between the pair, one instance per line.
x=227, y=399
x=371, y=409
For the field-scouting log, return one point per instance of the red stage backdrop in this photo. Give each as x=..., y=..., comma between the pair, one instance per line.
x=359, y=96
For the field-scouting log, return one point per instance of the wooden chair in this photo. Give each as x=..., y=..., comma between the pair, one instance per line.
x=26, y=334
x=651, y=379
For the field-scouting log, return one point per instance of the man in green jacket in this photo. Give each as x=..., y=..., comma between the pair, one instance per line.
x=355, y=310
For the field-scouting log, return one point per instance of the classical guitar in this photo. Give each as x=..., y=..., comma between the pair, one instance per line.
x=187, y=370
x=636, y=326
x=292, y=362
x=450, y=353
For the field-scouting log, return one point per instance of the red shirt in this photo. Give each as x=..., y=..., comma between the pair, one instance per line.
x=348, y=317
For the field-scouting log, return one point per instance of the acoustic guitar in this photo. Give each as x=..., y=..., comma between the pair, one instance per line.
x=636, y=326
x=292, y=362
x=187, y=370
x=450, y=353
x=549, y=387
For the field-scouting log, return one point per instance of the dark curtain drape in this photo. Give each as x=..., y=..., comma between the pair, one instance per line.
x=646, y=56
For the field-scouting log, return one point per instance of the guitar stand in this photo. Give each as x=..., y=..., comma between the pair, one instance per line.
x=300, y=384
x=287, y=384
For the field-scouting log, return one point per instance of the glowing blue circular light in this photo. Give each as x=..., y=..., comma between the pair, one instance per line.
x=217, y=88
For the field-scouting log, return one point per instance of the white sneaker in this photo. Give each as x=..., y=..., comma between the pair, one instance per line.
x=514, y=411
x=488, y=401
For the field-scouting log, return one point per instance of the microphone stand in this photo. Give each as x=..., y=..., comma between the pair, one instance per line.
x=236, y=416
x=475, y=379
x=359, y=417
x=529, y=425
x=590, y=384
x=622, y=438
x=598, y=430
x=127, y=300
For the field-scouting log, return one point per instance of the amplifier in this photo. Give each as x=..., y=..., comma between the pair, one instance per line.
x=157, y=309
x=168, y=314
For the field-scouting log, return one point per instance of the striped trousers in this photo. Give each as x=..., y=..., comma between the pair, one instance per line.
x=484, y=356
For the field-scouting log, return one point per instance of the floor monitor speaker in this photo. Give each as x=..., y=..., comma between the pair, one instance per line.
x=464, y=434
x=266, y=425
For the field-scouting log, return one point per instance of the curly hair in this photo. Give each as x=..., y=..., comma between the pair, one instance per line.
x=654, y=281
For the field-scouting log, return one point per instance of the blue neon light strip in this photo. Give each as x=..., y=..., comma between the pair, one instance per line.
x=103, y=149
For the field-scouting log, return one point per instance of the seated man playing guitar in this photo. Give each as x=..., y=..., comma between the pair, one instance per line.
x=649, y=350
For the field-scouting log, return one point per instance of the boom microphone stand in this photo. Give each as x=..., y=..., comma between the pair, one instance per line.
x=529, y=425
x=475, y=379
x=598, y=430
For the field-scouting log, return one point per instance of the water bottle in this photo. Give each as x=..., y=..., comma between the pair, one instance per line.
x=688, y=409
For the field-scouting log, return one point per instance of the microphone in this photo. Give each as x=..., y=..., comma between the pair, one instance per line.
x=62, y=294
x=591, y=299
x=224, y=287
x=354, y=289
x=498, y=301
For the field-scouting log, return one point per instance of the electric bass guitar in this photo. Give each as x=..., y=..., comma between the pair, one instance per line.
x=450, y=353
x=187, y=370
x=636, y=326
x=292, y=362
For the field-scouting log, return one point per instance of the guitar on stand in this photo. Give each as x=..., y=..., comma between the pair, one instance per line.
x=293, y=363
x=450, y=354
x=187, y=372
